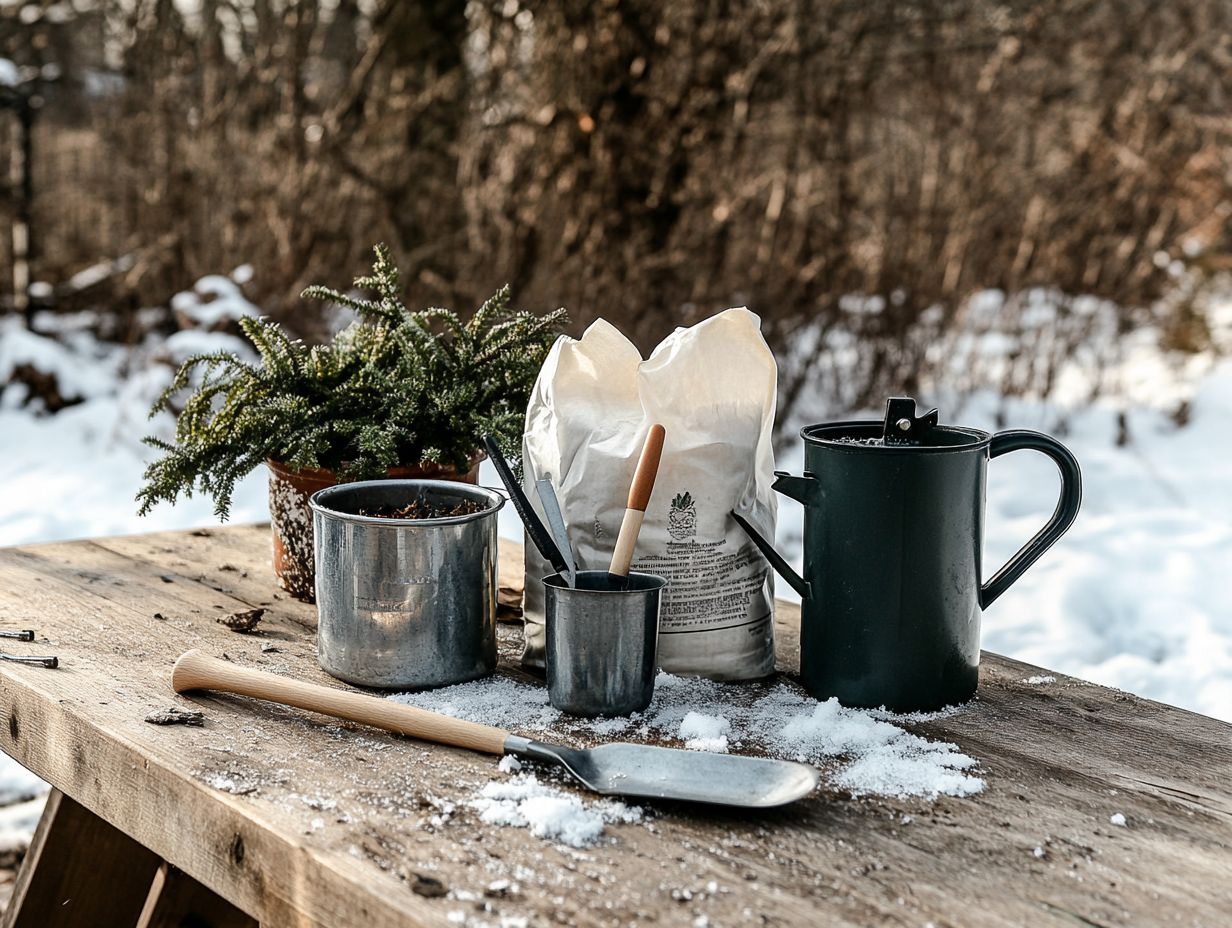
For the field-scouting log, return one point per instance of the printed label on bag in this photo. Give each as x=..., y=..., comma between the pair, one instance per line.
x=709, y=585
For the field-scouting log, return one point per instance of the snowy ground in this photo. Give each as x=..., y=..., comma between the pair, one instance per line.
x=1132, y=597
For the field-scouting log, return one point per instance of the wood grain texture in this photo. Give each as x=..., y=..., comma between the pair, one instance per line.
x=79, y=871
x=176, y=900
x=302, y=821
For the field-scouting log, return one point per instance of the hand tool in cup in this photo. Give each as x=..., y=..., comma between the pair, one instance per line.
x=635, y=508
x=611, y=769
x=556, y=522
x=534, y=528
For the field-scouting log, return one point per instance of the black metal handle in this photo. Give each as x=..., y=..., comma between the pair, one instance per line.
x=1062, y=518
x=535, y=530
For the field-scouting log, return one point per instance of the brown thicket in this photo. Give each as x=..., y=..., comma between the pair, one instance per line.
x=649, y=162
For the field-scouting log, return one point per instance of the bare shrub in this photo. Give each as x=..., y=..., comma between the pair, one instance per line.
x=653, y=162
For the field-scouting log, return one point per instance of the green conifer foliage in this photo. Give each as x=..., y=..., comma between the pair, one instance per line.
x=393, y=389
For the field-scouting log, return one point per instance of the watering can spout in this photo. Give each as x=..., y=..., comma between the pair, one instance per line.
x=797, y=583
x=801, y=489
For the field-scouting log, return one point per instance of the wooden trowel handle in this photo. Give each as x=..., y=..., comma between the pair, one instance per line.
x=647, y=469
x=639, y=499
x=197, y=671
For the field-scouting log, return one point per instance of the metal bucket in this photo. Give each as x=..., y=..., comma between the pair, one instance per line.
x=602, y=643
x=405, y=603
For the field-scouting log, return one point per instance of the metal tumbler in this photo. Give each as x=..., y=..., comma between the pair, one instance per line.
x=405, y=603
x=602, y=643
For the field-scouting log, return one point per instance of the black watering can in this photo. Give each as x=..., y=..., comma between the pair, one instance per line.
x=893, y=536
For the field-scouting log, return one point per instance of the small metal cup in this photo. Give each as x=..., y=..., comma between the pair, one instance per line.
x=601, y=643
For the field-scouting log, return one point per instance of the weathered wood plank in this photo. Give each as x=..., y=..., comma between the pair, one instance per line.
x=176, y=900
x=1060, y=760
x=79, y=871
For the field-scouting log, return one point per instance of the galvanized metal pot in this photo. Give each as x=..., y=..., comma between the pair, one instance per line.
x=291, y=519
x=405, y=603
x=602, y=642
x=893, y=535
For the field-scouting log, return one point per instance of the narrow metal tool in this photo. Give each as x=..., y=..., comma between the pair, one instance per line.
x=50, y=662
x=26, y=634
x=556, y=522
x=611, y=769
x=534, y=527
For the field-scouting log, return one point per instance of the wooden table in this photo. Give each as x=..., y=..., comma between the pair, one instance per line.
x=273, y=816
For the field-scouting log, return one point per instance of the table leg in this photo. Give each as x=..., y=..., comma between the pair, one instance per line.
x=80, y=871
x=176, y=900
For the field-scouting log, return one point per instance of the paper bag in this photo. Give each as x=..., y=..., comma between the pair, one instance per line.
x=713, y=387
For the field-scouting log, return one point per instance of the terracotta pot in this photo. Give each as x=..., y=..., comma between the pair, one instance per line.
x=291, y=518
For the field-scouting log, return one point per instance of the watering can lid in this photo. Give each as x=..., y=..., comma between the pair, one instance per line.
x=901, y=428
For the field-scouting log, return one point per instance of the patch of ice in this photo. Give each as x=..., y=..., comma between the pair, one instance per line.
x=1118, y=818
x=546, y=812
x=509, y=764
x=1039, y=681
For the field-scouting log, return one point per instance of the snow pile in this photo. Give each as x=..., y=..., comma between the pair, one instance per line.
x=214, y=301
x=549, y=813
x=704, y=732
x=865, y=753
x=90, y=454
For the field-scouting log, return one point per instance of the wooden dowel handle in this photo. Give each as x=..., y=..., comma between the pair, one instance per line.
x=639, y=499
x=647, y=469
x=197, y=671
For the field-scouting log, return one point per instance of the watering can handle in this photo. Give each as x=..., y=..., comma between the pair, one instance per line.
x=1062, y=518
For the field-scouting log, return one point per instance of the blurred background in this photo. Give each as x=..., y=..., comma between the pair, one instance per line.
x=1015, y=210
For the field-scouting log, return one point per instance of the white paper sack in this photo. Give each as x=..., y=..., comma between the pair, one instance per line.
x=713, y=387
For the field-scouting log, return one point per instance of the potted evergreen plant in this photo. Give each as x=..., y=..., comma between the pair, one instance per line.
x=396, y=394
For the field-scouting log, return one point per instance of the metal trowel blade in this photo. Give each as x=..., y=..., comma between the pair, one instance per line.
x=649, y=772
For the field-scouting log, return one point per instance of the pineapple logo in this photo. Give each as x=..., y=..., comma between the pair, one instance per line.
x=682, y=517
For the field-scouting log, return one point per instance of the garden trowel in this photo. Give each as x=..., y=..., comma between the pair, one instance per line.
x=638, y=770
